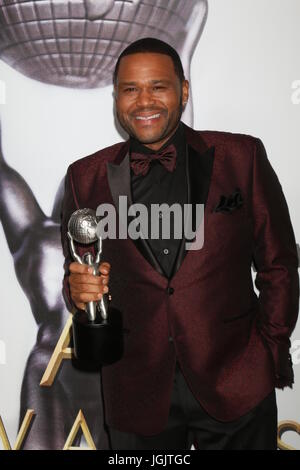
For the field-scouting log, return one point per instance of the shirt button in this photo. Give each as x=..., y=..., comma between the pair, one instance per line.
x=170, y=290
x=166, y=251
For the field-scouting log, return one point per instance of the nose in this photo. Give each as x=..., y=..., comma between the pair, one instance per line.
x=145, y=98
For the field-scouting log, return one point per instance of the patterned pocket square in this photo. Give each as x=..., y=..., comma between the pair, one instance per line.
x=230, y=203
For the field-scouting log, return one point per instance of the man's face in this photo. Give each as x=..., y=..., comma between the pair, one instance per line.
x=149, y=97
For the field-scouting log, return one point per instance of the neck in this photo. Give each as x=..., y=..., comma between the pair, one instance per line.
x=155, y=146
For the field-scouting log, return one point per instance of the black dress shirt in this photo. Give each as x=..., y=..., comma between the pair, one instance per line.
x=160, y=186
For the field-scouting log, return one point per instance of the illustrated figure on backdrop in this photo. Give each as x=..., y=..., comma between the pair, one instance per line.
x=34, y=242
x=203, y=352
x=72, y=44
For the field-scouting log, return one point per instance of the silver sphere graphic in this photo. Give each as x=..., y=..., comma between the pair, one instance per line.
x=82, y=226
x=76, y=43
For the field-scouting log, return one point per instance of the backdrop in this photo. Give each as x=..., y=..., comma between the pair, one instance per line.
x=56, y=59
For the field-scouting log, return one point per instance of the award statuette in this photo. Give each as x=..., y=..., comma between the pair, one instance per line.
x=97, y=331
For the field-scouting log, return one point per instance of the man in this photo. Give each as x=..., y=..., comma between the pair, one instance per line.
x=50, y=62
x=203, y=353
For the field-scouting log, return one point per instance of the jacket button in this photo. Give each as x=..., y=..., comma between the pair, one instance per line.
x=170, y=339
x=170, y=290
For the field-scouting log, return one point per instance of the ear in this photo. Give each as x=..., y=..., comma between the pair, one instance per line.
x=185, y=92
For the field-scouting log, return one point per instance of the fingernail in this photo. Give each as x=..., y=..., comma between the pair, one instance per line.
x=90, y=270
x=99, y=296
x=105, y=289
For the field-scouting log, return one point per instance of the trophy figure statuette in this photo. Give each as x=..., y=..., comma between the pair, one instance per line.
x=97, y=331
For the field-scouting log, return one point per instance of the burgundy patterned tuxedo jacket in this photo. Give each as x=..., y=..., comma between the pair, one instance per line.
x=232, y=344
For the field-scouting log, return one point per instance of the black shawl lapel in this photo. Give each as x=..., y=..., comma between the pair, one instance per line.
x=199, y=168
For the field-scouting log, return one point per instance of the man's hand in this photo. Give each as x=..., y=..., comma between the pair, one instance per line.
x=84, y=286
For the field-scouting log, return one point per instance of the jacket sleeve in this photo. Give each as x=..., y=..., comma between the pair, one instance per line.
x=69, y=205
x=276, y=260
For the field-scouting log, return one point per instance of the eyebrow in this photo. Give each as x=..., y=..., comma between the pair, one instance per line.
x=152, y=82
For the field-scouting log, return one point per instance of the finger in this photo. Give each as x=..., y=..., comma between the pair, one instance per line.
x=80, y=268
x=104, y=268
x=88, y=288
x=76, y=278
x=84, y=297
x=104, y=280
x=80, y=305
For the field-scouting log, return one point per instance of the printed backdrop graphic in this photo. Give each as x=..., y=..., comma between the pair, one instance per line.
x=56, y=105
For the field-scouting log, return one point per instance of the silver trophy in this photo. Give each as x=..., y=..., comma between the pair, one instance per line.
x=97, y=331
x=82, y=228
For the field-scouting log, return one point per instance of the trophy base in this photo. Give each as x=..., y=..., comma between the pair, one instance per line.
x=99, y=342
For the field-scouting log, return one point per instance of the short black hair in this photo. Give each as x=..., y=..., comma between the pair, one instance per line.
x=155, y=46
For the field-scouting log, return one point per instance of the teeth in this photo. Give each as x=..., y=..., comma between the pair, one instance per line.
x=143, y=118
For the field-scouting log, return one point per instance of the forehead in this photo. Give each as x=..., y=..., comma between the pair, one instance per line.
x=146, y=65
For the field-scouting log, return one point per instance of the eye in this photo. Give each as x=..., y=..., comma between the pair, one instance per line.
x=130, y=89
x=159, y=87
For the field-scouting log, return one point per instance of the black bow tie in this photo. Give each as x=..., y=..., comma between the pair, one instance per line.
x=140, y=162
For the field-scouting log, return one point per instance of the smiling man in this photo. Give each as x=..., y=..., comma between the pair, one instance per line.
x=203, y=353
x=150, y=95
